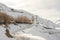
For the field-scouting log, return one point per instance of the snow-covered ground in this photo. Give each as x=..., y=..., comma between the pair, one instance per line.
x=41, y=29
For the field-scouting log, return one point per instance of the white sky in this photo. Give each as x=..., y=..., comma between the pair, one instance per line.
x=49, y=9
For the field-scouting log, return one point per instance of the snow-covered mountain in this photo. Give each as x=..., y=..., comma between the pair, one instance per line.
x=41, y=29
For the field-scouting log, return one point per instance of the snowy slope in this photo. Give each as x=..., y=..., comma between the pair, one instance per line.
x=41, y=29
x=58, y=21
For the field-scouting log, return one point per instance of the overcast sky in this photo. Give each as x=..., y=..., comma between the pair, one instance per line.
x=49, y=9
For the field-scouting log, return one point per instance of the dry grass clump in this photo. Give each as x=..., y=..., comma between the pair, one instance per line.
x=23, y=20
x=4, y=18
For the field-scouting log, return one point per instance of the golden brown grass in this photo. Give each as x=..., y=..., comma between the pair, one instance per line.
x=23, y=19
x=4, y=18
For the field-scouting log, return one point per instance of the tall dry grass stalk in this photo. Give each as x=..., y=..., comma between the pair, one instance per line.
x=4, y=18
x=23, y=19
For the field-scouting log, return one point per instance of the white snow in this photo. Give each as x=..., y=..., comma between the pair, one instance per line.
x=41, y=29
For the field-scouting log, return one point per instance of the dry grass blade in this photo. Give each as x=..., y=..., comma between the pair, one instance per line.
x=23, y=19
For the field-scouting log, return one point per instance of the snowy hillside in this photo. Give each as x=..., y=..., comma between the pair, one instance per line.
x=40, y=29
x=58, y=21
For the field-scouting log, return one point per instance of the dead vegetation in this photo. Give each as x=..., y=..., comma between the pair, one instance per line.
x=4, y=18
x=23, y=20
